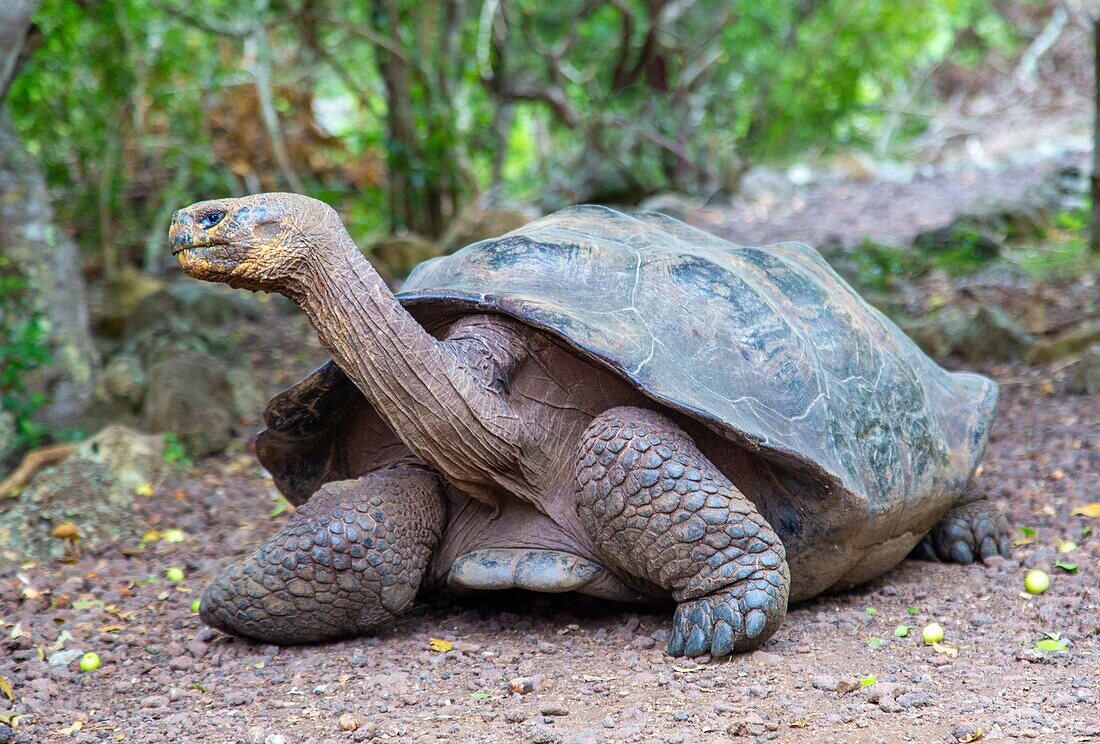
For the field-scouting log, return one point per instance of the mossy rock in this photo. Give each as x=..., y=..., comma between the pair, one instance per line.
x=476, y=225
x=1066, y=344
x=93, y=489
x=1086, y=376
x=394, y=257
x=114, y=304
x=189, y=394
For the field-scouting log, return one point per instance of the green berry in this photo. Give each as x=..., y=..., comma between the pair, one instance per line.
x=932, y=633
x=195, y=605
x=174, y=574
x=90, y=661
x=174, y=536
x=1036, y=581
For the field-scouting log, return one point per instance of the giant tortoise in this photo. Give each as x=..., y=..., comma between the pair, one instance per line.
x=613, y=404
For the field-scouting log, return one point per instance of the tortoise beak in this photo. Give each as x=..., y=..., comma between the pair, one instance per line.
x=181, y=233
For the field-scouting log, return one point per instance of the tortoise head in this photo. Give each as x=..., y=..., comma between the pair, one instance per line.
x=263, y=242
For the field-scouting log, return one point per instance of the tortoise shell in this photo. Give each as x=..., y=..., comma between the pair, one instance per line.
x=766, y=346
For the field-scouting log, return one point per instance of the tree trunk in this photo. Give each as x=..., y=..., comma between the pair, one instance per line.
x=42, y=253
x=1094, y=226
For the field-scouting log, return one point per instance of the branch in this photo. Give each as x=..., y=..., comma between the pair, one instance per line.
x=261, y=71
x=199, y=23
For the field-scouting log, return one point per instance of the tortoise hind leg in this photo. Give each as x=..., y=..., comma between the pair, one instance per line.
x=971, y=531
x=349, y=560
x=659, y=510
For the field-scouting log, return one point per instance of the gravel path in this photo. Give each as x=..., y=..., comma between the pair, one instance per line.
x=594, y=672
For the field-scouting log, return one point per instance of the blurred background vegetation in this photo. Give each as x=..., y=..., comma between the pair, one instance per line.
x=408, y=115
x=403, y=112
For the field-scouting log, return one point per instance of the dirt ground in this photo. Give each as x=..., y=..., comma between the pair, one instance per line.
x=591, y=672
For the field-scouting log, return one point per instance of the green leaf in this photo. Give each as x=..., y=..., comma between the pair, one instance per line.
x=281, y=506
x=482, y=695
x=875, y=642
x=868, y=680
x=901, y=631
x=913, y=610
x=1028, y=531
x=1049, y=645
x=871, y=611
x=1066, y=566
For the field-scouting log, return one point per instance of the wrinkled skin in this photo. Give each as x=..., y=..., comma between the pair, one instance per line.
x=506, y=460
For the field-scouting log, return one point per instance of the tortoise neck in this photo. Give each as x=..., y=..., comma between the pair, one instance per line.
x=424, y=393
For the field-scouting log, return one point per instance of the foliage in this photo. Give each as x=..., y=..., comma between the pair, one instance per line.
x=400, y=112
x=175, y=454
x=24, y=347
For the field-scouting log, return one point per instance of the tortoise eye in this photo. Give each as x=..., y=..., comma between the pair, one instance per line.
x=210, y=219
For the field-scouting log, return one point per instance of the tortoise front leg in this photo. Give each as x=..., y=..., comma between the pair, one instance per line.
x=658, y=509
x=349, y=560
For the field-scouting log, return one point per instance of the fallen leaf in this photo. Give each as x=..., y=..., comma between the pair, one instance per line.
x=70, y=730
x=280, y=507
x=145, y=489
x=798, y=723
x=61, y=639
x=5, y=687
x=875, y=642
x=869, y=680
x=1052, y=645
x=111, y=629
x=1066, y=566
x=973, y=736
x=65, y=531
x=438, y=644
x=950, y=652
x=1091, y=509
x=11, y=719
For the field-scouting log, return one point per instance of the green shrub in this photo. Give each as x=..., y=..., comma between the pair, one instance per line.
x=24, y=347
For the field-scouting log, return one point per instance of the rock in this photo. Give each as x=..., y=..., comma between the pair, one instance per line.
x=975, y=243
x=554, y=710
x=121, y=386
x=7, y=439
x=643, y=641
x=1066, y=344
x=526, y=685
x=1086, y=376
x=93, y=489
x=349, y=722
x=764, y=185
x=991, y=335
x=825, y=682
x=540, y=733
x=670, y=203
x=135, y=459
x=476, y=224
x=189, y=396
x=117, y=301
x=247, y=392
x=939, y=334
x=915, y=699
x=64, y=658
x=394, y=257
x=215, y=304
